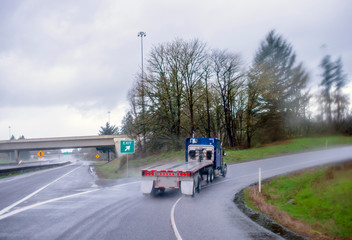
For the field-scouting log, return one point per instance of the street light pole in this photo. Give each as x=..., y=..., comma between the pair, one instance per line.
x=141, y=35
x=109, y=117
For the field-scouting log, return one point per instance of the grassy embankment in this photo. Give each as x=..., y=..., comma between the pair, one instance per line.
x=286, y=147
x=316, y=203
x=117, y=168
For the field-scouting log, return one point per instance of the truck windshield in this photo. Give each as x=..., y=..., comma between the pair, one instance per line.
x=209, y=155
x=192, y=154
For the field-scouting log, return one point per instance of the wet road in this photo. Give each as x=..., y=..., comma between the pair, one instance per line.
x=69, y=203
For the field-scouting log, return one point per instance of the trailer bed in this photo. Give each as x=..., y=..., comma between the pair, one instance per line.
x=181, y=166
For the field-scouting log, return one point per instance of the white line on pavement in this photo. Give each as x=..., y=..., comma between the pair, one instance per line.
x=9, y=214
x=173, y=224
x=35, y=192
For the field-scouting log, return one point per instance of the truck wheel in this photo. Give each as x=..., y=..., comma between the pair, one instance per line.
x=224, y=170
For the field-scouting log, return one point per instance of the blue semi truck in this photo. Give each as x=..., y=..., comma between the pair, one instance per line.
x=203, y=161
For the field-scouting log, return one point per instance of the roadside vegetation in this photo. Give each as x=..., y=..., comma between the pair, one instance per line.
x=286, y=147
x=190, y=88
x=316, y=203
x=117, y=168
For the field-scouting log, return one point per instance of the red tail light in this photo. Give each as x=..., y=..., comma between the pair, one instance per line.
x=185, y=174
x=169, y=173
x=148, y=173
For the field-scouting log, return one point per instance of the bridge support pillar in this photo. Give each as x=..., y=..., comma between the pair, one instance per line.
x=16, y=156
x=117, y=146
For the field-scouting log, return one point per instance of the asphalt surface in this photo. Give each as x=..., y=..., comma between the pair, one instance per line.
x=70, y=203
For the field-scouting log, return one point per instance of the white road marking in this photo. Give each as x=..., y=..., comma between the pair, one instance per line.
x=173, y=224
x=35, y=192
x=9, y=214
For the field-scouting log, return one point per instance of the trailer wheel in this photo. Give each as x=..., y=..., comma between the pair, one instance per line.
x=194, y=188
x=211, y=175
x=224, y=170
x=199, y=186
x=154, y=190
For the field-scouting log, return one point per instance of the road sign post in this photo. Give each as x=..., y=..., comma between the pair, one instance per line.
x=127, y=164
x=127, y=146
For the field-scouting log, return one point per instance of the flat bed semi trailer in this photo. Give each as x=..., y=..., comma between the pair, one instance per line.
x=204, y=157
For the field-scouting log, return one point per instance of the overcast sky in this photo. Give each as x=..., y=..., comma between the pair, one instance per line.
x=64, y=64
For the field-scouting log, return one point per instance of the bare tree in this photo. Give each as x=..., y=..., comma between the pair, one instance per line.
x=226, y=67
x=193, y=57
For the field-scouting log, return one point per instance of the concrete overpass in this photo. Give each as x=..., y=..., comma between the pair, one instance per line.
x=61, y=143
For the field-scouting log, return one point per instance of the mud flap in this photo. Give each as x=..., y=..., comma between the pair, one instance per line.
x=187, y=187
x=147, y=186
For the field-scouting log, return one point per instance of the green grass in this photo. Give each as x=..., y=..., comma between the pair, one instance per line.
x=321, y=197
x=285, y=147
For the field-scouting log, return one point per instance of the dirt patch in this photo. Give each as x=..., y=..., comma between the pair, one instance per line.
x=264, y=220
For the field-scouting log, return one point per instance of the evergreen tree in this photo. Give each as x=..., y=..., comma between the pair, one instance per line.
x=108, y=129
x=282, y=85
x=333, y=79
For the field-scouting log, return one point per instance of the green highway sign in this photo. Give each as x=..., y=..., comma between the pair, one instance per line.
x=127, y=146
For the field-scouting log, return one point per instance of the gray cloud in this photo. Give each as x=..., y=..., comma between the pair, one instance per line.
x=85, y=54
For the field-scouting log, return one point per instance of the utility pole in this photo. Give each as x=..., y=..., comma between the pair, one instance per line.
x=141, y=35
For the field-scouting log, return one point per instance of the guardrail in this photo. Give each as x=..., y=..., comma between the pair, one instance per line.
x=30, y=168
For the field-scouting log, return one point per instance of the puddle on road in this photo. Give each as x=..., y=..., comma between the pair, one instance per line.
x=265, y=221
